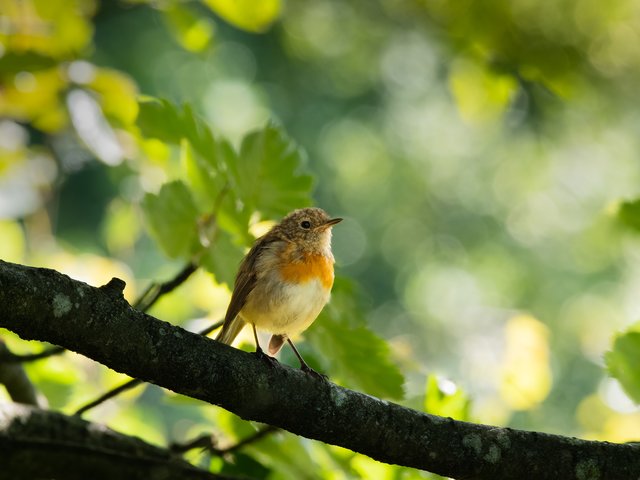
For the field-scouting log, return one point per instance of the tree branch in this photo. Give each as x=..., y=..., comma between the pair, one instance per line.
x=45, y=305
x=44, y=444
x=129, y=384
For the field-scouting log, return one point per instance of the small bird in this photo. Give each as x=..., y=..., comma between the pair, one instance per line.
x=284, y=281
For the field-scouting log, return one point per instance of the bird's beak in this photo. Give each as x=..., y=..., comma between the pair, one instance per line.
x=329, y=223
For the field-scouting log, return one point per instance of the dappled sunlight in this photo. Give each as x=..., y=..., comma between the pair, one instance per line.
x=526, y=377
x=86, y=117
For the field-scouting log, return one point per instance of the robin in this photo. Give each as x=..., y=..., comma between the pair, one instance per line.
x=284, y=281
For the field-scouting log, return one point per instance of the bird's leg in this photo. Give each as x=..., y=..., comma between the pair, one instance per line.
x=303, y=365
x=260, y=354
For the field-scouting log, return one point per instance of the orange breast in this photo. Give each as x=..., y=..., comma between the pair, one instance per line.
x=312, y=267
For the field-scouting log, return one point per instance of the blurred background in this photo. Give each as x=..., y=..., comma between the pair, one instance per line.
x=478, y=150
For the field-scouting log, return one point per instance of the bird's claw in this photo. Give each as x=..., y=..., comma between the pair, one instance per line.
x=310, y=371
x=268, y=359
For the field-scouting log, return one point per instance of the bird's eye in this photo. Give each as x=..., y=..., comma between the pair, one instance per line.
x=306, y=224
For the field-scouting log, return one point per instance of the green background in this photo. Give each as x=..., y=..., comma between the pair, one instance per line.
x=484, y=156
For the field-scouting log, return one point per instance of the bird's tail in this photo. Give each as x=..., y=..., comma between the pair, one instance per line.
x=230, y=330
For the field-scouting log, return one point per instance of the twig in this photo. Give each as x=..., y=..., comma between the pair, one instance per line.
x=134, y=382
x=128, y=385
x=156, y=290
x=250, y=439
x=10, y=357
x=208, y=442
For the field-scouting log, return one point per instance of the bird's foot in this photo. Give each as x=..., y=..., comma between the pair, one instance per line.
x=310, y=371
x=268, y=359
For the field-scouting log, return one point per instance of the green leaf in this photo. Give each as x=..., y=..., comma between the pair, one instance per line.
x=203, y=176
x=629, y=214
x=172, y=218
x=357, y=356
x=267, y=174
x=444, y=398
x=206, y=174
x=158, y=118
x=223, y=258
x=623, y=362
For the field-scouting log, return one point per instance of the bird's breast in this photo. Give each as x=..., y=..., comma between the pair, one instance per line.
x=313, y=267
x=289, y=298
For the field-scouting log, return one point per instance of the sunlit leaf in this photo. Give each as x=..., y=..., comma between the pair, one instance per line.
x=172, y=218
x=117, y=95
x=254, y=16
x=35, y=97
x=444, y=398
x=268, y=173
x=481, y=95
x=623, y=362
x=53, y=28
x=193, y=31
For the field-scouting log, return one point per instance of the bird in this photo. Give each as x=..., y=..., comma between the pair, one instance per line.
x=283, y=282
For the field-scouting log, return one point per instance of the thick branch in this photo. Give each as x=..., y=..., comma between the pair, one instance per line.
x=45, y=305
x=44, y=444
x=129, y=384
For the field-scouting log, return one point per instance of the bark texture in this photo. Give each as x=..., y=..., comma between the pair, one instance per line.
x=38, y=443
x=42, y=304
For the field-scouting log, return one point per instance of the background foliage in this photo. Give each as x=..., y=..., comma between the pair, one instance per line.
x=483, y=153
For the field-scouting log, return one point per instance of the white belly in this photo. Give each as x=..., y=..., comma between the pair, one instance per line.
x=288, y=309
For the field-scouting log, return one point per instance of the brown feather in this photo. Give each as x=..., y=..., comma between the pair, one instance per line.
x=244, y=284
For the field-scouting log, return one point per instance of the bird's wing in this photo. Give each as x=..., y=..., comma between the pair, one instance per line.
x=246, y=279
